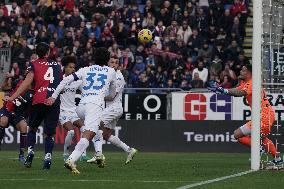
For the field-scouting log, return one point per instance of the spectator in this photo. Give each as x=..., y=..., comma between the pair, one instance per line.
x=14, y=72
x=227, y=83
x=115, y=51
x=201, y=70
x=95, y=29
x=149, y=8
x=4, y=9
x=206, y=52
x=75, y=20
x=228, y=72
x=32, y=33
x=143, y=81
x=149, y=21
x=89, y=10
x=21, y=27
x=184, y=32
x=53, y=53
x=184, y=85
x=225, y=21
x=139, y=66
x=196, y=81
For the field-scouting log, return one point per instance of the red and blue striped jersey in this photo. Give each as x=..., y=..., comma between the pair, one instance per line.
x=47, y=76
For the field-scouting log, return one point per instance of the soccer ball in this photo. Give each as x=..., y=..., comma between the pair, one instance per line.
x=145, y=36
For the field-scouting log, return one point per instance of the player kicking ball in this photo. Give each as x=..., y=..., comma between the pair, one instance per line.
x=110, y=117
x=96, y=81
x=68, y=117
x=243, y=133
x=14, y=113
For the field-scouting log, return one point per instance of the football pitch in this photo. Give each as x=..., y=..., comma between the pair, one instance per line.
x=146, y=171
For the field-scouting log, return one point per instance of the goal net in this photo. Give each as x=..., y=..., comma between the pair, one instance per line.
x=272, y=67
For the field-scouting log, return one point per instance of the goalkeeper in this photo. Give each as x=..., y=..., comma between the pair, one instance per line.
x=243, y=133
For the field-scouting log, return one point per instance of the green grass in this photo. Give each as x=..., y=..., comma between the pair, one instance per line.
x=147, y=171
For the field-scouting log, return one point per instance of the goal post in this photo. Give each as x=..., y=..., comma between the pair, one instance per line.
x=256, y=86
x=268, y=72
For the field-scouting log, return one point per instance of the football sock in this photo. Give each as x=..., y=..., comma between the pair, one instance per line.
x=97, y=140
x=269, y=146
x=49, y=143
x=245, y=140
x=2, y=133
x=117, y=142
x=31, y=140
x=68, y=140
x=81, y=146
x=23, y=143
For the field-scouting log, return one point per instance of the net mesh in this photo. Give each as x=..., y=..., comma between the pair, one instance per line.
x=273, y=65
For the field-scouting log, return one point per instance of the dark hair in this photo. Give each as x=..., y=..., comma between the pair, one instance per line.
x=42, y=49
x=68, y=59
x=249, y=67
x=101, y=56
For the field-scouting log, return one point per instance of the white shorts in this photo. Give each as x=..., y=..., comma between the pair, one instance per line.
x=66, y=116
x=111, y=116
x=91, y=114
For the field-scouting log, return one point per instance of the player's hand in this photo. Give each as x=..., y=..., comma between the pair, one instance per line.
x=214, y=87
x=49, y=101
x=7, y=98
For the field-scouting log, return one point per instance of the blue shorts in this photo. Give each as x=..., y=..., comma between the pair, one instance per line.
x=13, y=118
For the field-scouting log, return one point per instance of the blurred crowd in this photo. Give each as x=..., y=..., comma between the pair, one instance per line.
x=194, y=41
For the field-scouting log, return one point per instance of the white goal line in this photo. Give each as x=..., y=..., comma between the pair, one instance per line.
x=215, y=180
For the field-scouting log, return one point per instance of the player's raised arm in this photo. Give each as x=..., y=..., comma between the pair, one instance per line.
x=23, y=87
x=244, y=89
x=231, y=92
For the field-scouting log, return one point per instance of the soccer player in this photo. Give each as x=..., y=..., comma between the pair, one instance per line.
x=96, y=81
x=45, y=75
x=110, y=117
x=14, y=113
x=243, y=133
x=68, y=117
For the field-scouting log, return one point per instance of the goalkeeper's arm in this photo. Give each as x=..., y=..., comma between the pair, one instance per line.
x=235, y=92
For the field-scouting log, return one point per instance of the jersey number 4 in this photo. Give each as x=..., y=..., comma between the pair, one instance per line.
x=100, y=81
x=48, y=76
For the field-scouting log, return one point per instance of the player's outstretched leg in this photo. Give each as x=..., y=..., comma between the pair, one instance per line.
x=130, y=151
x=31, y=140
x=271, y=149
x=81, y=146
x=67, y=144
x=84, y=156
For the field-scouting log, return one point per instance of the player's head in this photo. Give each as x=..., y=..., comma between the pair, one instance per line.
x=42, y=50
x=101, y=56
x=69, y=63
x=113, y=63
x=246, y=72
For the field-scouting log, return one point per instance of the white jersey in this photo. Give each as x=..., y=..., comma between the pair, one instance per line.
x=120, y=83
x=96, y=81
x=67, y=98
